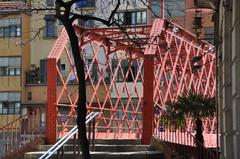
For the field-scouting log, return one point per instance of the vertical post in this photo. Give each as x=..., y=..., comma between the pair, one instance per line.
x=74, y=146
x=149, y=12
x=148, y=112
x=163, y=16
x=51, y=101
x=226, y=90
x=58, y=154
x=62, y=155
x=235, y=78
x=89, y=134
x=93, y=134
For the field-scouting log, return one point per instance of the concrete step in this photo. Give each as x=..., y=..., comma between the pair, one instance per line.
x=104, y=147
x=115, y=141
x=106, y=155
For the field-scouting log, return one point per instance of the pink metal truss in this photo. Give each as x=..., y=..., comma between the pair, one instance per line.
x=116, y=86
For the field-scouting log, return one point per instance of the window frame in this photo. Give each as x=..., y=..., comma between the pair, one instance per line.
x=170, y=7
x=209, y=34
x=10, y=27
x=7, y=69
x=47, y=34
x=50, y=3
x=131, y=17
x=10, y=106
x=29, y=96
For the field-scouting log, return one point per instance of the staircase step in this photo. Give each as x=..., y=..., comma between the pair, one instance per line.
x=103, y=147
x=107, y=149
x=115, y=141
x=106, y=155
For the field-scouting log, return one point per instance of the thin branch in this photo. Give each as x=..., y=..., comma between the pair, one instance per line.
x=89, y=17
x=113, y=12
x=35, y=35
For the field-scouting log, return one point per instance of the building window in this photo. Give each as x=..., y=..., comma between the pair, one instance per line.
x=29, y=96
x=86, y=23
x=50, y=27
x=50, y=3
x=85, y=4
x=10, y=66
x=10, y=27
x=131, y=18
x=172, y=8
x=3, y=71
x=10, y=103
x=93, y=70
x=128, y=71
x=131, y=76
x=209, y=35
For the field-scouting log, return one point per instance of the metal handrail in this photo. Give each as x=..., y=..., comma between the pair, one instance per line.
x=63, y=140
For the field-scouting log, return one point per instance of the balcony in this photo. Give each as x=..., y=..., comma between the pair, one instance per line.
x=33, y=77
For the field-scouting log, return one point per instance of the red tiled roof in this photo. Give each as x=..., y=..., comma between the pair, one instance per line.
x=13, y=6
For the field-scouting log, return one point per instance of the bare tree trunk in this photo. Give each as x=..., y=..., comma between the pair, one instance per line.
x=63, y=13
x=199, y=138
x=81, y=105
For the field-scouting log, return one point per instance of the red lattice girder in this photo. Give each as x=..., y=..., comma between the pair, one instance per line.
x=173, y=70
x=113, y=59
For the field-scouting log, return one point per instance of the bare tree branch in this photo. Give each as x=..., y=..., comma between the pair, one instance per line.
x=34, y=36
x=89, y=17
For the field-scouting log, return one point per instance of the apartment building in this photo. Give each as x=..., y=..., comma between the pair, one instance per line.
x=14, y=58
x=228, y=77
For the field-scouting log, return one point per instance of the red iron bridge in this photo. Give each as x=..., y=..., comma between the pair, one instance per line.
x=131, y=72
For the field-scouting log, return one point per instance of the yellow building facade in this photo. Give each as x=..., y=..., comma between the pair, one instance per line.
x=14, y=59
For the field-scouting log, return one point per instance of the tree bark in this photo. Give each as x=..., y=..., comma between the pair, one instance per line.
x=81, y=105
x=63, y=13
x=199, y=141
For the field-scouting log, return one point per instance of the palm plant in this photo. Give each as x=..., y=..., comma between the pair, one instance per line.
x=190, y=105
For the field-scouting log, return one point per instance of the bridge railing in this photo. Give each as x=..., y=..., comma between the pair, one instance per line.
x=183, y=141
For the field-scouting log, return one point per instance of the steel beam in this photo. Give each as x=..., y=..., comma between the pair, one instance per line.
x=51, y=111
x=148, y=99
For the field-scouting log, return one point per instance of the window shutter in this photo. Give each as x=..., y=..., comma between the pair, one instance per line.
x=14, y=97
x=3, y=96
x=15, y=62
x=4, y=62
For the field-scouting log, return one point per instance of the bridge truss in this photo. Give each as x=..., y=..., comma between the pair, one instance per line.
x=131, y=72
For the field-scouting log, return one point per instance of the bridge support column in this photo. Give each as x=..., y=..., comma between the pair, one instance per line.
x=148, y=113
x=51, y=116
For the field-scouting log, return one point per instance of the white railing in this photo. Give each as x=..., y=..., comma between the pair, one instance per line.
x=66, y=138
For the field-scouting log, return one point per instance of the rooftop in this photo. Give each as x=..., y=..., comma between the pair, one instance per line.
x=13, y=6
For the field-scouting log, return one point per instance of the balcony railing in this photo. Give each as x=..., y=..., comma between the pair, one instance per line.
x=19, y=134
x=33, y=77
